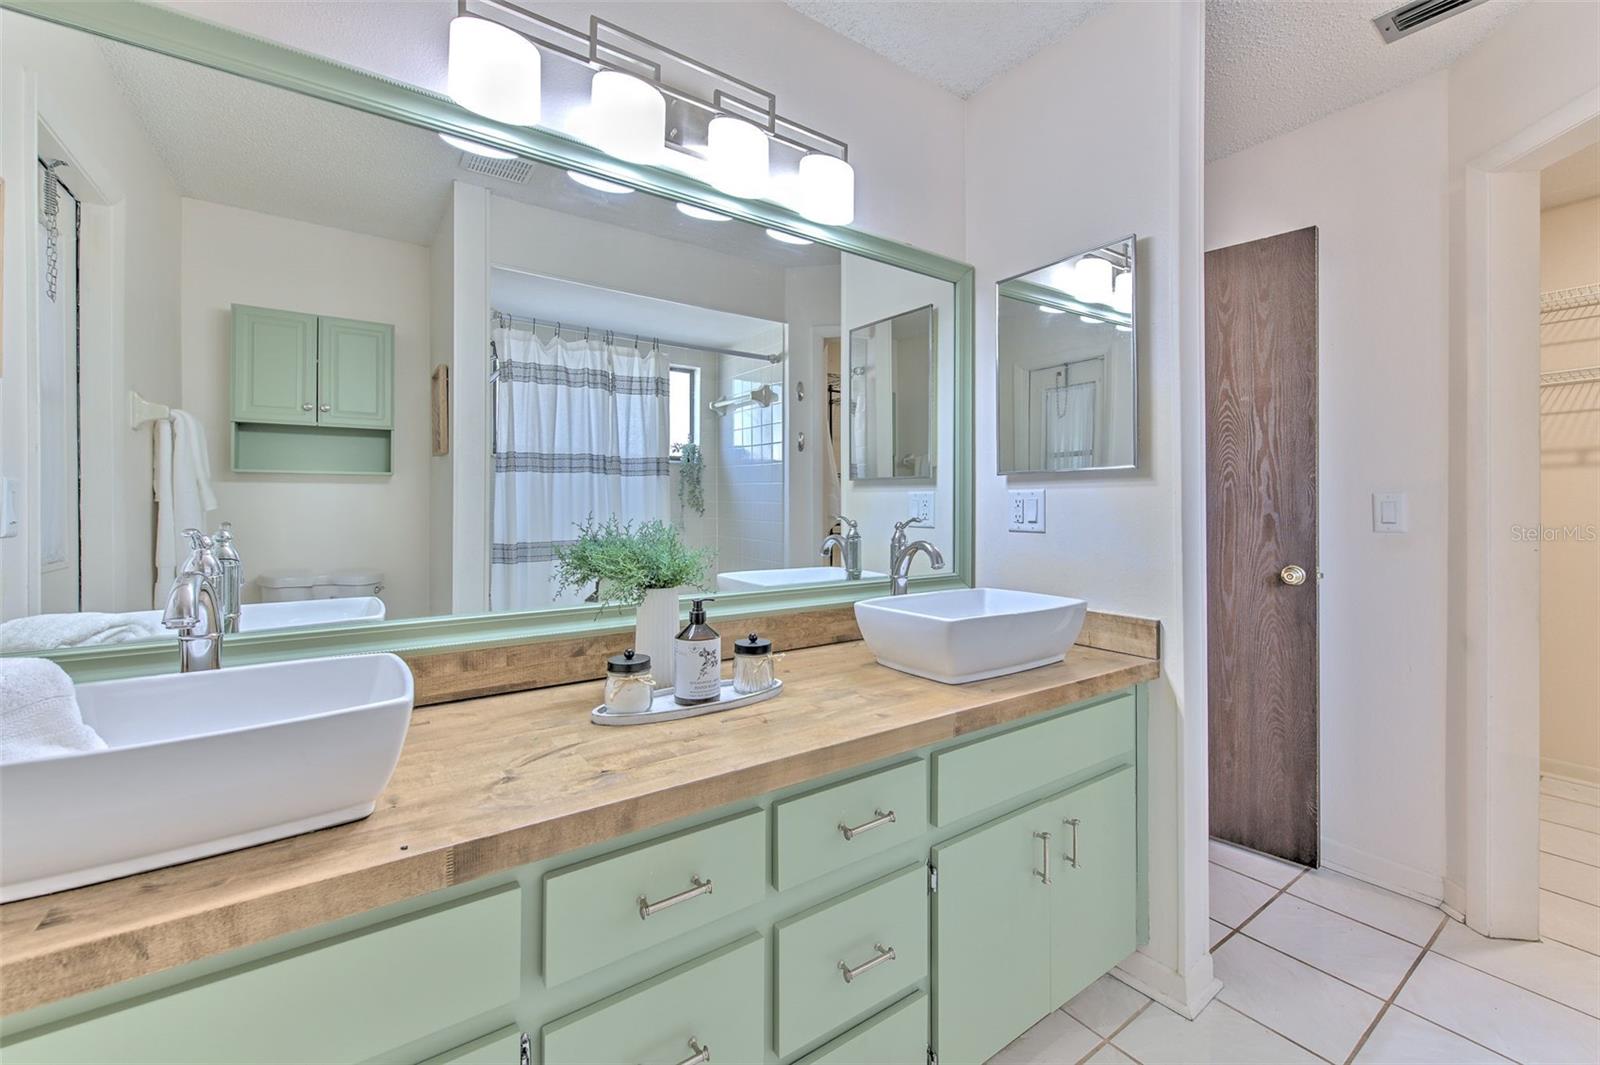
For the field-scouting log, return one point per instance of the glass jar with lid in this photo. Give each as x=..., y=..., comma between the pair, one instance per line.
x=754, y=665
x=630, y=687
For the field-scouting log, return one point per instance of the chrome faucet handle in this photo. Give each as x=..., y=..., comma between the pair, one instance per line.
x=842, y=520
x=902, y=526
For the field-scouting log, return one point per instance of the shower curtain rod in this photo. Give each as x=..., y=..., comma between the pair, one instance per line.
x=533, y=323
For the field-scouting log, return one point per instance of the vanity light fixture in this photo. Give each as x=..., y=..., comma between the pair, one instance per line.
x=494, y=71
x=738, y=154
x=702, y=213
x=626, y=117
x=469, y=145
x=1091, y=280
x=827, y=189
x=1124, y=328
x=599, y=184
x=786, y=238
x=1088, y=320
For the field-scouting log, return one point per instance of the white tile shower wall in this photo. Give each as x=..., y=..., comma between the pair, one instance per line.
x=750, y=532
x=700, y=529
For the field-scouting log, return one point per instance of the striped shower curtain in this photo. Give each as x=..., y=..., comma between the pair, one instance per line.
x=581, y=431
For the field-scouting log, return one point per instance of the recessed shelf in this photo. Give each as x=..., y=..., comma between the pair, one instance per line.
x=260, y=447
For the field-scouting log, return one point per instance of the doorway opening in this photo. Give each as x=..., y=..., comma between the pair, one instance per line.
x=60, y=381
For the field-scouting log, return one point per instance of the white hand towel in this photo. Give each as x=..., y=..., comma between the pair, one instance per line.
x=45, y=632
x=183, y=493
x=39, y=716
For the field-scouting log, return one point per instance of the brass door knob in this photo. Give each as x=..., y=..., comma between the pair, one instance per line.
x=1292, y=575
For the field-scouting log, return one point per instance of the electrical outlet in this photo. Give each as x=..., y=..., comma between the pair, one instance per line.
x=1025, y=510
x=921, y=504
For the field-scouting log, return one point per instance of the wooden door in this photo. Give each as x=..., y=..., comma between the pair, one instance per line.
x=1261, y=523
x=274, y=366
x=355, y=374
x=1095, y=923
x=991, y=936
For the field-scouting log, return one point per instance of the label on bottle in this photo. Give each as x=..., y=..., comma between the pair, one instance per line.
x=697, y=670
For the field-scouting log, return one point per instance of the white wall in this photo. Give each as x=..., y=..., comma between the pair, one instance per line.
x=811, y=309
x=129, y=301
x=1569, y=503
x=1371, y=179
x=441, y=471
x=233, y=256
x=1046, y=178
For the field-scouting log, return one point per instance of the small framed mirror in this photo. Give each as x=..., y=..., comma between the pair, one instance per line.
x=1067, y=392
x=893, y=413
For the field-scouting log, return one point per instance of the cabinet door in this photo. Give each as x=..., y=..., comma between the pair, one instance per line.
x=991, y=935
x=274, y=366
x=355, y=374
x=1095, y=896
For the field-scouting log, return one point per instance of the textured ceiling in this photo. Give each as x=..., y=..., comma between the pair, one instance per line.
x=960, y=46
x=1577, y=177
x=1276, y=65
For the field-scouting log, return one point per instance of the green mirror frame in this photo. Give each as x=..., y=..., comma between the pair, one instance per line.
x=190, y=39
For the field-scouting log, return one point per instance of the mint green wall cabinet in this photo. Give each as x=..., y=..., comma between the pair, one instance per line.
x=274, y=366
x=897, y=1036
x=715, y=1006
x=1094, y=922
x=355, y=373
x=311, y=395
x=346, y=1000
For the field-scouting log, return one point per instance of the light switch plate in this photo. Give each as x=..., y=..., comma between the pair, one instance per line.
x=1390, y=512
x=921, y=504
x=1025, y=510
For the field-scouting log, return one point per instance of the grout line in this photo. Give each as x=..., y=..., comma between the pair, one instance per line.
x=1452, y=1031
x=1568, y=857
x=1106, y=1042
x=1277, y=894
x=1364, y=924
x=1505, y=980
x=1547, y=937
x=1299, y=871
x=1557, y=894
x=1324, y=972
x=1382, y=1010
x=1263, y=1024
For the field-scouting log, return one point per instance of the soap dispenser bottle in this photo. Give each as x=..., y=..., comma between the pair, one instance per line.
x=697, y=660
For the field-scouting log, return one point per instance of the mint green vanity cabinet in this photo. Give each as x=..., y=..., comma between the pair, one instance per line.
x=897, y=1036
x=849, y=957
x=711, y=1010
x=1094, y=920
x=355, y=374
x=832, y=827
x=274, y=366
x=502, y=1047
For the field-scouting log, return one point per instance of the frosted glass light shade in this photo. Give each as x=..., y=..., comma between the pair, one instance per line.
x=827, y=189
x=493, y=71
x=1122, y=292
x=627, y=117
x=737, y=154
x=1091, y=280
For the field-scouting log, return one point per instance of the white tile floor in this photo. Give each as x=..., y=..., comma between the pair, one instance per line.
x=1317, y=966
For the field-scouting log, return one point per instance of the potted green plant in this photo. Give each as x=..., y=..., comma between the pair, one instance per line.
x=646, y=566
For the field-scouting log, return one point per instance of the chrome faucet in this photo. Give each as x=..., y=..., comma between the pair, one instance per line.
x=193, y=607
x=231, y=582
x=849, y=544
x=900, y=554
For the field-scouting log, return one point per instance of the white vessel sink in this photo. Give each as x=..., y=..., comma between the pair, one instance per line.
x=969, y=634
x=754, y=580
x=307, y=613
x=202, y=763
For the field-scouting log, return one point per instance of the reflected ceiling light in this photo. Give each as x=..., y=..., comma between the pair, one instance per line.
x=599, y=184
x=737, y=152
x=827, y=189
x=627, y=117
x=1091, y=280
x=786, y=238
x=468, y=145
x=1124, y=328
x=493, y=70
x=1051, y=310
x=703, y=214
x=1086, y=320
x=1122, y=292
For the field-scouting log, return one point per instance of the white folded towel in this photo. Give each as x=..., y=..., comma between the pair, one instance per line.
x=46, y=632
x=39, y=716
x=183, y=493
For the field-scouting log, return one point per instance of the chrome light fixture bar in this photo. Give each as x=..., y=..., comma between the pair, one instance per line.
x=724, y=124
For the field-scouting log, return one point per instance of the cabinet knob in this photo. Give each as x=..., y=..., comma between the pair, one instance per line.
x=305, y=406
x=324, y=408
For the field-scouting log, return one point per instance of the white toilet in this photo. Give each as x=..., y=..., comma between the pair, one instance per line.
x=294, y=586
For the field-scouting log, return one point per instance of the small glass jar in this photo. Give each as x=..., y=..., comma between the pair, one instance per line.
x=754, y=668
x=630, y=687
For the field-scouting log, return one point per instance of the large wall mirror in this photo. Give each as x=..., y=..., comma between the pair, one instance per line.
x=405, y=373
x=1067, y=391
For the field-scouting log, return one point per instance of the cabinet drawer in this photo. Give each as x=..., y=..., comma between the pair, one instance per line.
x=503, y=1047
x=596, y=912
x=897, y=1036
x=986, y=773
x=814, y=948
x=350, y=999
x=717, y=1003
x=811, y=829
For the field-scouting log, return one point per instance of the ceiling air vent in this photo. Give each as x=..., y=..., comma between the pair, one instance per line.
x=516, y=170
x=1409, y=18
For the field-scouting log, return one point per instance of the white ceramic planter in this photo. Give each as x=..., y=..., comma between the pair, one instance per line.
x=655, y=628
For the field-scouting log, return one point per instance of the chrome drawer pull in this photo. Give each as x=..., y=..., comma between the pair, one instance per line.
x=884, y=954
x=650, y=909
x=1073, y=860
x=879, y=819
x=701, y=1055
x=1044, y=841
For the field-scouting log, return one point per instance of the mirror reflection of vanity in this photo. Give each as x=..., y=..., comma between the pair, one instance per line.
x=1067, y=390
x=405, y=372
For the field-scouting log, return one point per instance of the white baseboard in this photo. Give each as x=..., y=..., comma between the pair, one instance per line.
x=1184, y=993
x=1455, y=900
x=1397, y=877
x=1573, y=771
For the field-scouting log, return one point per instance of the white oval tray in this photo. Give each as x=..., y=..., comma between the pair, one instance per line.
x=664, y=708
